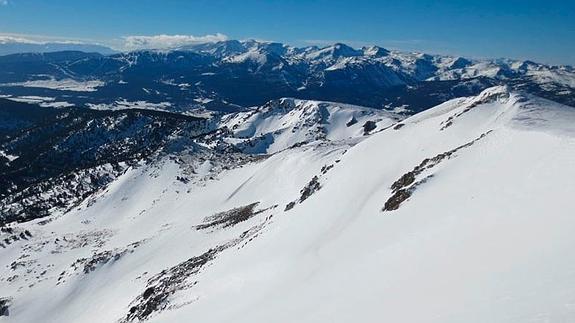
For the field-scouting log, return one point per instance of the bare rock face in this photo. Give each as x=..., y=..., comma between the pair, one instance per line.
x=368, y=126
x=4, y=305
x=166, y=283
x=231, y=217
x=311, y=187
x=396, y=199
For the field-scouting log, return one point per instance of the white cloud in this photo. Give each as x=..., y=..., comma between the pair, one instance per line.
x=6, y=38
x=169, y=41
x=11, y=39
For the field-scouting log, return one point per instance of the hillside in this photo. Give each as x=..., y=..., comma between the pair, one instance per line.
x=458, y=213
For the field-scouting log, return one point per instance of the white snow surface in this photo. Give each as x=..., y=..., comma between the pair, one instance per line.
x=8, y=156
x=125, y=104
x=62, y=85
x=286, y=122
x=487, y=238
x=42, y=101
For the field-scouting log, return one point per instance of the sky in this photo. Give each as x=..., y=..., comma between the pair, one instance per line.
x=542, y=31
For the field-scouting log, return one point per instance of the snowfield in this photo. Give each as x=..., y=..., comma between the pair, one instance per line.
x=283, y=123
x=461, y=213
x=61, y=85
x=40, y=100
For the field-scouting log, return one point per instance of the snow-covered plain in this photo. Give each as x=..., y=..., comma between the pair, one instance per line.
x=42, y=101
x=61, y=85
x=125, y=104
x=485, y=234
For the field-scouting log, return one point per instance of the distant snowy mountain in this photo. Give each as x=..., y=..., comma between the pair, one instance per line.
x=234, y=75
x=294, y=210
x=14, y=45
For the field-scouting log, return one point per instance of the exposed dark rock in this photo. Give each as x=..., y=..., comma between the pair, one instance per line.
x=396, y=199
x=88, y=265
x=167, y=282
x=231, y=217
x=308, y=190
x=299, y=144
x=368, y=126
x=182, y=179
x=404, y=181
x=351, y=122
x=4, y=306
x=160, y=287
x=289, y=206
x=398, y=126
x=326, y=168
x=99, y=259
x=148, y=292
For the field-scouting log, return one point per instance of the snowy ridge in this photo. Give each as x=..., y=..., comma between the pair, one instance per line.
x=283, y=123
x=481, y=228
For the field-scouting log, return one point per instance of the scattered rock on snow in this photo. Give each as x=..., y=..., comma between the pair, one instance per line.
x=404, y=187
x=4, y=305
x=232, y=217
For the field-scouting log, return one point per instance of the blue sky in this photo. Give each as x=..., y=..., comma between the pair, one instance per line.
x=539, y=30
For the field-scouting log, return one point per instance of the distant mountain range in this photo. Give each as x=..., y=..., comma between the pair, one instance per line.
x=233, y=75
x=14, y=45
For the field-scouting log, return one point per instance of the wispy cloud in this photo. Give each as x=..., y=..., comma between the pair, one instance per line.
x=126, y=43
x=169, y=41
x=11, y=39
x=3, y=2
x=42, y=39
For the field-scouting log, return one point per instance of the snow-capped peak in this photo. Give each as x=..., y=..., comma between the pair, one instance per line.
x=335, y=51
x=375, y=51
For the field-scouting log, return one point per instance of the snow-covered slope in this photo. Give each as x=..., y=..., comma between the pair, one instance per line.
x=283, y=123
x=461, y=213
